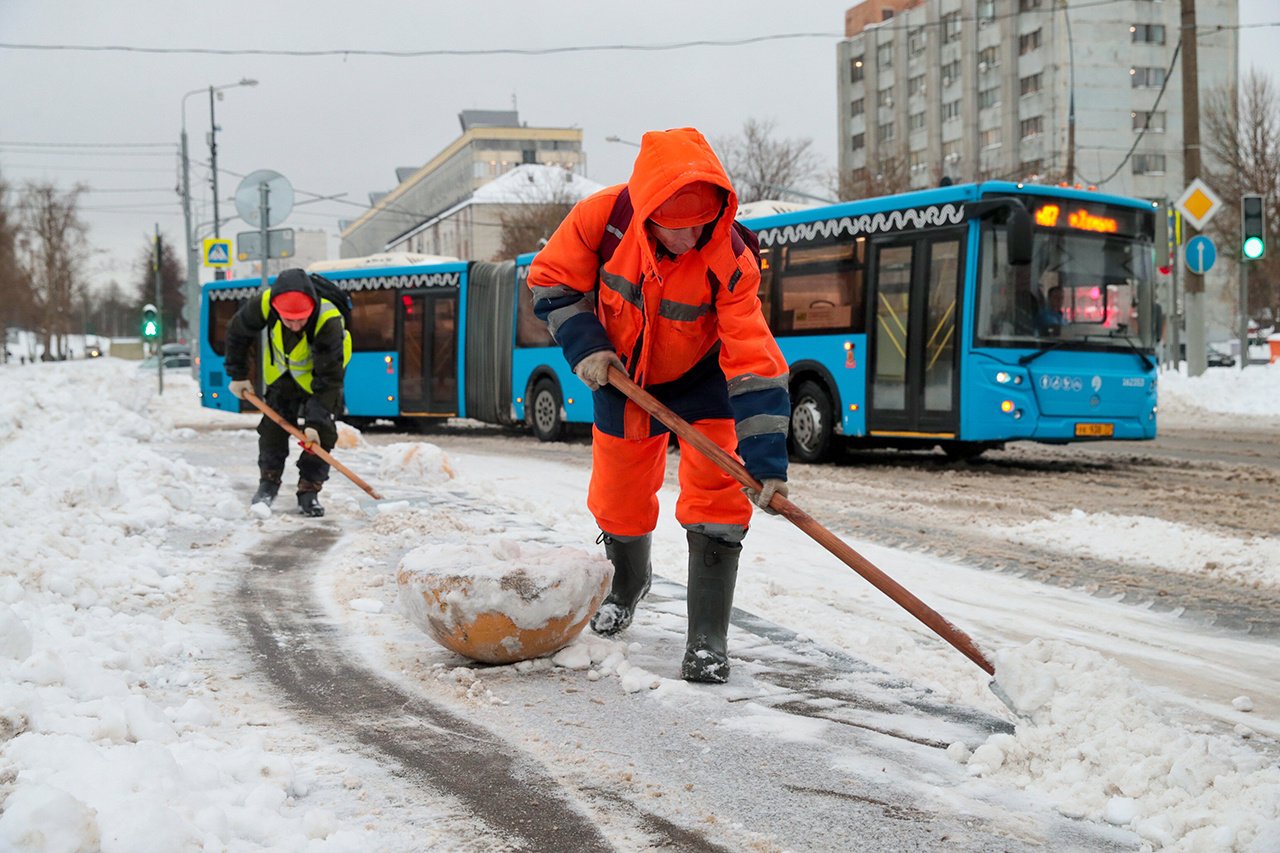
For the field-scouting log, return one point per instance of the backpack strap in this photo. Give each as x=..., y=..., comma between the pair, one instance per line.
x=619, y=220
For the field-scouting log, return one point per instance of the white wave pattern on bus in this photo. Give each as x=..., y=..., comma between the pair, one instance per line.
x=405, y=282
x=871, y=223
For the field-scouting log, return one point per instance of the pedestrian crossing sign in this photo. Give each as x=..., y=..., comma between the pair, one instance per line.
x=217, y=253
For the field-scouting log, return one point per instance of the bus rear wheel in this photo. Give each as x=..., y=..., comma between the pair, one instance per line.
x=812, y=423
x=543, y=411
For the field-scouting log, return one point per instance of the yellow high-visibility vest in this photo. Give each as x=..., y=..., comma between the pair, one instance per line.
x=297, y=362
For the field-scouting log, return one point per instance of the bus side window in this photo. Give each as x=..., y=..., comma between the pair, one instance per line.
x=373, y=320
x=820, y=288
x=530, y=331
x=220, y=314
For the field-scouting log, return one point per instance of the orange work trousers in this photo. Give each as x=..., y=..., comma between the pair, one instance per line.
x=626, y=475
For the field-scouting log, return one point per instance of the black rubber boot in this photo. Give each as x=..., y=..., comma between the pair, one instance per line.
x=632, y=573
x=268, y=488
x=713, y=573
x=309, y=499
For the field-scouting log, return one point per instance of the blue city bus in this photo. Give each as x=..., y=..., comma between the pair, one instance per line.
x=923, y=320
x=422, y=329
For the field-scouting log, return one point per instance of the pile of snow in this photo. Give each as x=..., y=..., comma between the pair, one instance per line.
x=415, y=463
x=498, y=600
x=1251, y=392
x=1101, y=747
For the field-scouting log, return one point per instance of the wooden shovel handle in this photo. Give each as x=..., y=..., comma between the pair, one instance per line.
x=293, y=430
x=824, y=537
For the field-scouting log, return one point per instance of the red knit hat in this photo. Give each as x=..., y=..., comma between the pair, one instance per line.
x=292, y=305
x=693, y=204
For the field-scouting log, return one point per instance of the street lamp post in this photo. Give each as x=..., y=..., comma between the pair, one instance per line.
x=193, y=277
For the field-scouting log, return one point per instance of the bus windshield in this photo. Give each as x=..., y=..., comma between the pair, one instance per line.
x=1085, y=288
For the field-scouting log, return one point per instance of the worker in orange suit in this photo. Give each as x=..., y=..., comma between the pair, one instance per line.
x=654, y=278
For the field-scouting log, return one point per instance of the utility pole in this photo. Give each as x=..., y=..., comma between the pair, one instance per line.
x=213, y=163
x=1193, y=292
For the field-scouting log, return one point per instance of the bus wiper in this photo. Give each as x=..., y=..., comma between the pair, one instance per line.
x=1146, y=362
x=1032, y=356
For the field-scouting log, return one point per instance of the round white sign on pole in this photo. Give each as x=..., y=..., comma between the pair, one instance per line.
x=279, y=199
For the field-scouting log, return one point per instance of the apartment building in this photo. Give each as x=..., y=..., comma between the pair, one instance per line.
x=1036, y=90
x=492, y=143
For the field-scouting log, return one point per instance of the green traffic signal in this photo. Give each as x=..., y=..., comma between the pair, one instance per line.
x=1253, y=227
x=150, y=323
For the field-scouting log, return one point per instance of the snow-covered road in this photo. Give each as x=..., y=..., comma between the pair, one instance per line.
x=136, y=714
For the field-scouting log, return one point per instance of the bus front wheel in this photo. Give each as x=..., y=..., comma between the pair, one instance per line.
x=812, y=423
x=543, y=411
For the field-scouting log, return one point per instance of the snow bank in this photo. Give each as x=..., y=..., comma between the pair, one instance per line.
x=1252, y=392
x=1101, y=747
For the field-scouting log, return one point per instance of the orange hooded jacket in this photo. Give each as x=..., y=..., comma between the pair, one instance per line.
x=665, y=315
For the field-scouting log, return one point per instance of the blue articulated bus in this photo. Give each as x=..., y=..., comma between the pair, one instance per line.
x=961, y=317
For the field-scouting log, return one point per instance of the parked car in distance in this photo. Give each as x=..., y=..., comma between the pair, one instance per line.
x=1213, y=357
x=170, y=361
x=93, y=351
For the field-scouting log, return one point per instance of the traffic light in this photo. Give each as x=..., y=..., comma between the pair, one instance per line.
x=150, y=322
x=1253, y=227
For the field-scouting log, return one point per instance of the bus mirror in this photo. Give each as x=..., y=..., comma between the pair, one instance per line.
x=1010, y=213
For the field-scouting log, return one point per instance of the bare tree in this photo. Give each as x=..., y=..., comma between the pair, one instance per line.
x=1242, y=137
x=891, y=174
x=527, y=224
x=172, y=286
x=15, y=288
x=52, y=249
x=762, y=166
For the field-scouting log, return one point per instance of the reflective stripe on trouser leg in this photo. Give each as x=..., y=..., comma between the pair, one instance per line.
x=711, y=501
x=625, y=477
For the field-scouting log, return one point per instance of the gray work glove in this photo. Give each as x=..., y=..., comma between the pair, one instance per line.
x=768, y=489
x=594, y=369
x=313, y=437
x=239, y=386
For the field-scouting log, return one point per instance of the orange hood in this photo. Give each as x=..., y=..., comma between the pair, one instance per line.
x=669, y=160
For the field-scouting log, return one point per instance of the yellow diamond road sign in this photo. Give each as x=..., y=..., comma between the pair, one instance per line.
x=1198, y=204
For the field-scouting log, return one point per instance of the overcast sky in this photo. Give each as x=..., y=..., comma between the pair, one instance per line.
x=342, y=125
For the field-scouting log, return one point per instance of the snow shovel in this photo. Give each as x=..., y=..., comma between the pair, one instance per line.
x=293, y=430
x=824, y=537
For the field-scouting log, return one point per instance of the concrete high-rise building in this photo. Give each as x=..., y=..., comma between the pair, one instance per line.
x=492, y=143
x=981, y=89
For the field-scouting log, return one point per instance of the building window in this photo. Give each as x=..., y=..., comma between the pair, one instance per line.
x=858, y=141
x=986, y=11
x=1030, y=85
x=885, y=132
x=1028, y=5
x=1028, y=42
x=915, y=85
x=988, y=57
x=884, y=98
x=951, y=72
x=1147, y=33
x=1032, y=168
x=917, y=161
x=950, y=110
x=1150, y=122
x=951, y=151
x=989, y=98
x=855, y=70
x=1146, y=78
x=950, y=27
x=1033, y=126
x=858, y=107
x=991, y=138
x=1148, y=164
x=915, y=41
x=884, y=55
x=915, y=121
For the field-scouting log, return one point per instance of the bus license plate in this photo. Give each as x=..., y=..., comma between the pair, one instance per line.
x=1096, y=430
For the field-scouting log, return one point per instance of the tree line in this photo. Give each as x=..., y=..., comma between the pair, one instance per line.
x=44, y=275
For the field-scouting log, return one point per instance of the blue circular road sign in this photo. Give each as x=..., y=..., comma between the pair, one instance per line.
x=1200, y=254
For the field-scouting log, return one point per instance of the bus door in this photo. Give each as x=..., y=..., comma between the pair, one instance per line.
x=428, y=332
x=914, y=328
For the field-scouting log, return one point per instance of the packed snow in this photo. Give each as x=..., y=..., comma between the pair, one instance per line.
x=128, y=720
